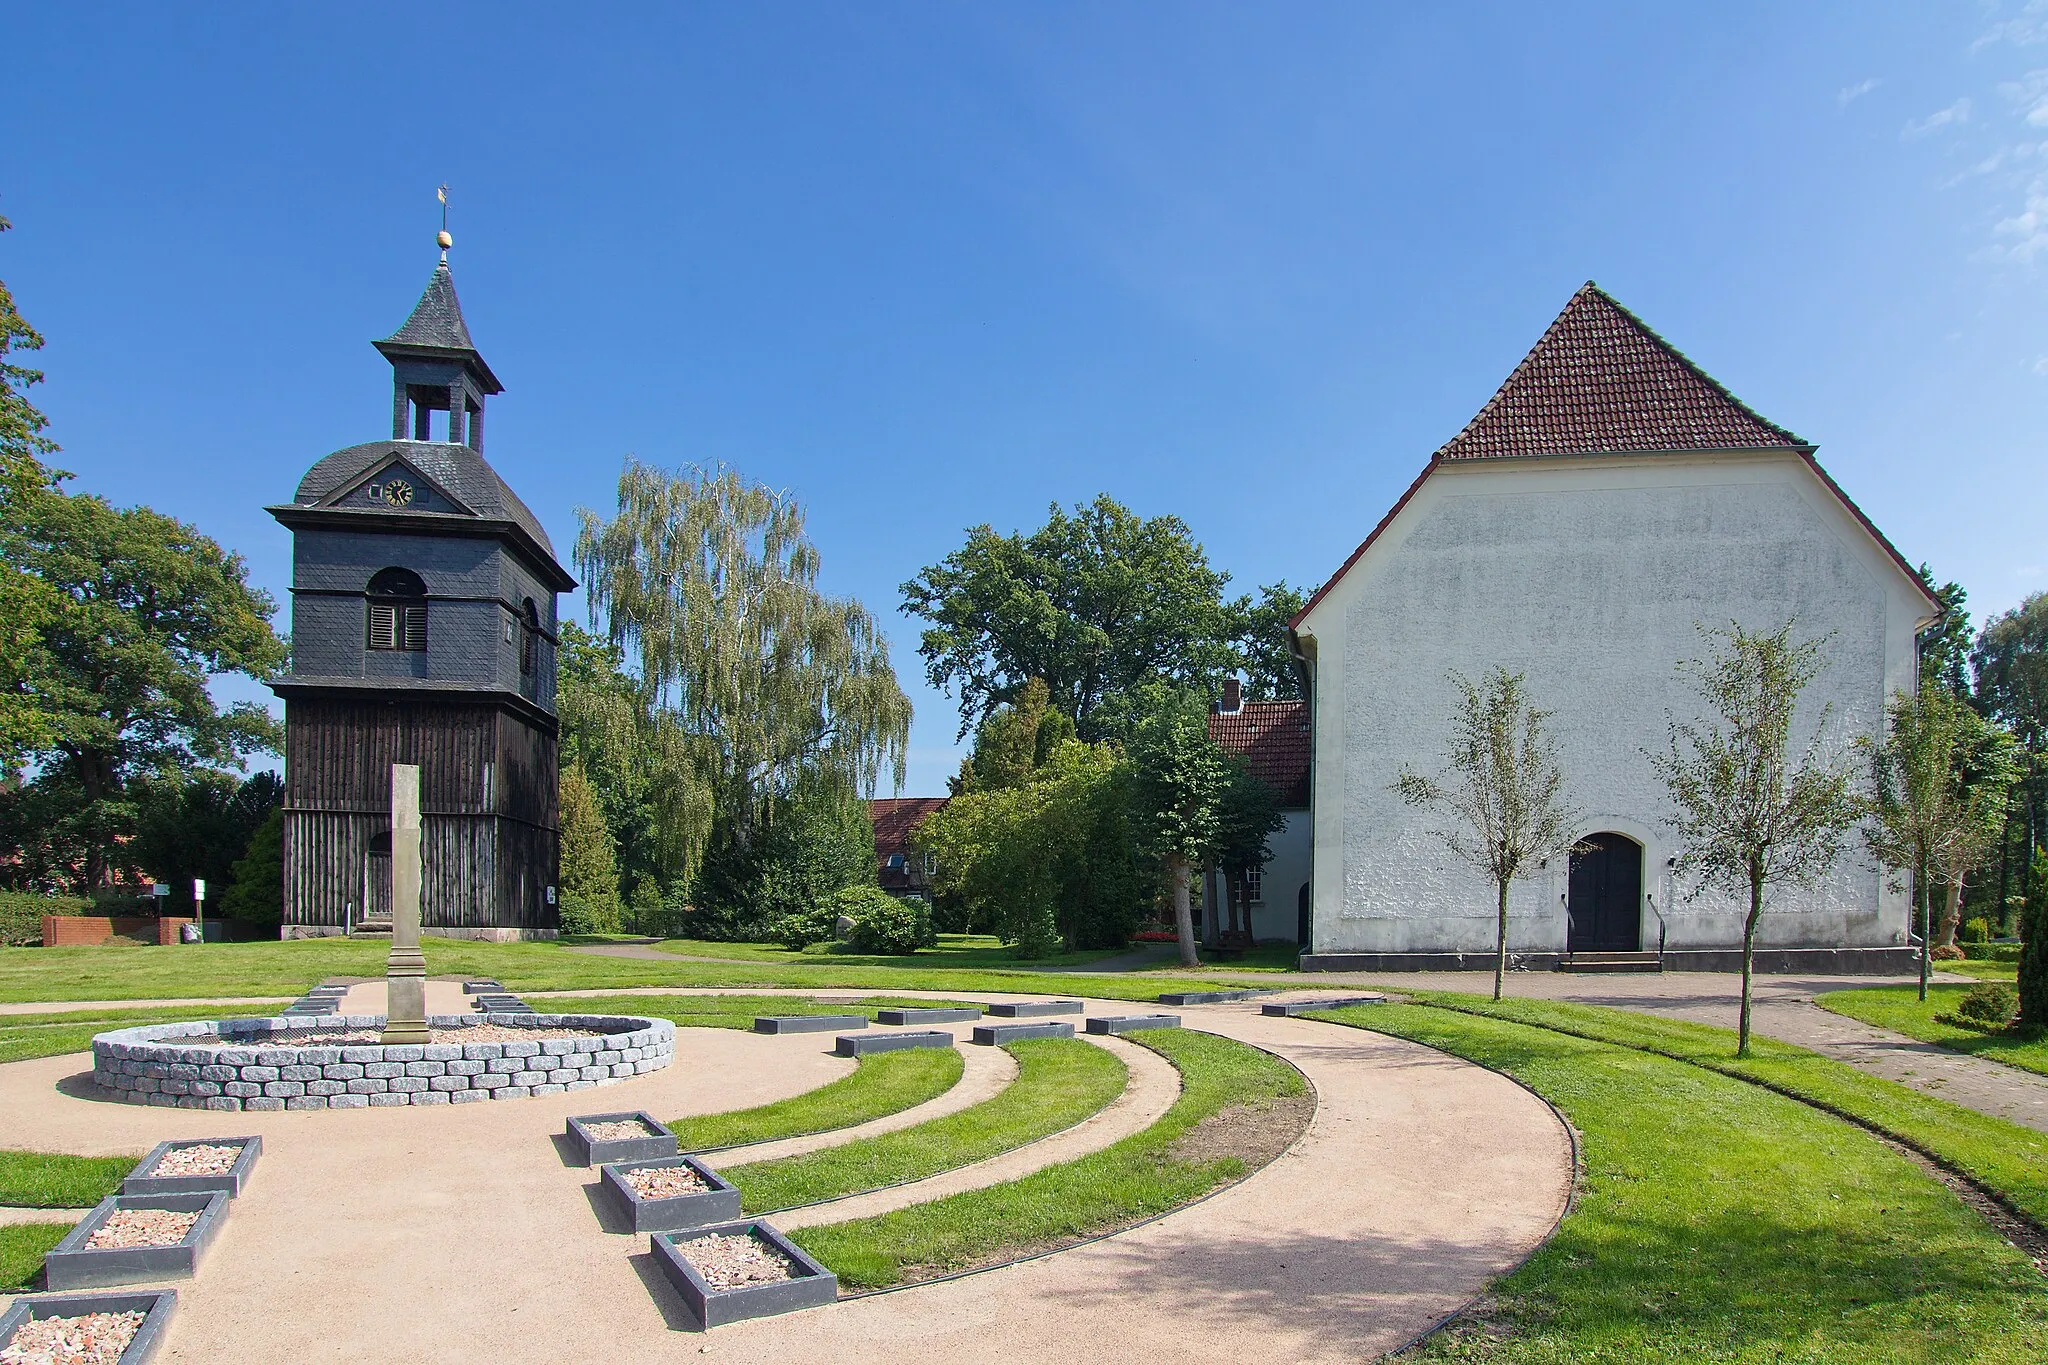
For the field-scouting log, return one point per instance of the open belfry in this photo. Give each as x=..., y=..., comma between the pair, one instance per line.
x=423, y=633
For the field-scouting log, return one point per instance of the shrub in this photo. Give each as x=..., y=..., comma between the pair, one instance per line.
x=882, y=923
x=1989, y=1004
x=1947, y=952
x=799, y=929
x=1976, y=929
x=587, y=915
x=21, y=915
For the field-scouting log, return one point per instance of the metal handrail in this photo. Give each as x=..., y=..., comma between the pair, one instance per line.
x=1651, y=897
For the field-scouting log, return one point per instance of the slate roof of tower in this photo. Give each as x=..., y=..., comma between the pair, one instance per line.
x=1599, y=381
x=457, y=468
x=436, y=319
x=1271, y=738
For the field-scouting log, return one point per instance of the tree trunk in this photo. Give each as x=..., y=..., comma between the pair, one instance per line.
x=1756, y=910
x=1500, y=940
x=1926, y=939
x=1952, y=913
x=1183, y=914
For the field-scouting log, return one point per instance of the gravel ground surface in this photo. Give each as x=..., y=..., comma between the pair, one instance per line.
x=141, y=1228
x=91, y=1339
x=733, y=1261
x=664, y=1182
x=619, y=1130
x=208, y=1159
x=480, y=1033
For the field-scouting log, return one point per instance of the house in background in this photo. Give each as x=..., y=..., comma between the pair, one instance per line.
x=1609, y=501
x=1271, y=738
x=902, y=870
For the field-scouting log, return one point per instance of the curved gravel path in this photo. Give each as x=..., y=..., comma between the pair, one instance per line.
x=457, y=1234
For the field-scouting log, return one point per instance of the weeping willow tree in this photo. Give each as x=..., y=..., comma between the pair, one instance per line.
x=753, y=686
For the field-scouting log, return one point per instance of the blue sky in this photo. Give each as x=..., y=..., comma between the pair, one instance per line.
x=933, y=265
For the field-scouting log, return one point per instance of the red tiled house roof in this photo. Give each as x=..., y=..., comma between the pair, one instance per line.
x=1271, y=739
x=895, y=820
x=1600, y=382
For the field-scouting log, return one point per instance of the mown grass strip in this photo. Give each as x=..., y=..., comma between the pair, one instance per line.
x=22, y=1247
x=27, y=1036
x=1718, y=1221
x=2005, y=1158
x=1131, y=1180
x=288, y=968
x=53, y=1180
x=883, y=1083
x=1900, y=1009
x=723, y=1011
x=1060, y=1082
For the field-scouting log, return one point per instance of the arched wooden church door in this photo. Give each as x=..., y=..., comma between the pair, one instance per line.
x=1605, y=896
x=377, y=878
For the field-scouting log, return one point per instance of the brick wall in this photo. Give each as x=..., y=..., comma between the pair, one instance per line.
x=72, y=931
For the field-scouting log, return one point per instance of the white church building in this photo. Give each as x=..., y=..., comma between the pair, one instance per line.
x=1609, y=500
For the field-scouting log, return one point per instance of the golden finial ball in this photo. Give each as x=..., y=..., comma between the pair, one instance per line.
x=444, y=239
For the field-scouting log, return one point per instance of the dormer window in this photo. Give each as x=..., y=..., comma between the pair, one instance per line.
x=398, y=611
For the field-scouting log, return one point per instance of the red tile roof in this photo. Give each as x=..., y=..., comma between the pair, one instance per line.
x=1272, y=739
x=1599, y=381
x=895, y=820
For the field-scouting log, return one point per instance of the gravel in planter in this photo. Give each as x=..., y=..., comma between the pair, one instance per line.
x=201, y=1165
x=131, y=1238
x=85, y=1329
x=671, y=1195
x=741, y=1270
x=638, y=1136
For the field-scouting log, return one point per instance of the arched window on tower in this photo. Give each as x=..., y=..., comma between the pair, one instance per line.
x=529, y=637
x=398, y=611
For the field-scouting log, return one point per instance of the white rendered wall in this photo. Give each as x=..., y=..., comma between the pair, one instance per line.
x=1588, y=576
x=1275, y=916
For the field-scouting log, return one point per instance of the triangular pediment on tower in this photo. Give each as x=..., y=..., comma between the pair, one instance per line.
x=1600, y=382
x=394, y=484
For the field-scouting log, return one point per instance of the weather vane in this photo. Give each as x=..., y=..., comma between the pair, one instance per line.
x=443, y=238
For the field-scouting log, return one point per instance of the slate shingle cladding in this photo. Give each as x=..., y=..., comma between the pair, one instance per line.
x=463, y=472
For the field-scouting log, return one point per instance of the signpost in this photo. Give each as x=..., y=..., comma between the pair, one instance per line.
x=199, y=905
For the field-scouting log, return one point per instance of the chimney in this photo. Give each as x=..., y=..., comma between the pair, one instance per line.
x=1233, y=697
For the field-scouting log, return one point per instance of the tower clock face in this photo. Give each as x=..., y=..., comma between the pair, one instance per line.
x=398, y=493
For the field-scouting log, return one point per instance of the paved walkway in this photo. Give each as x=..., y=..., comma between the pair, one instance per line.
x=1782, y=1007
x=456, y=1234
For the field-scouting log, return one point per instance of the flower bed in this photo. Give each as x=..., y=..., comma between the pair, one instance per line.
x=323, y=1063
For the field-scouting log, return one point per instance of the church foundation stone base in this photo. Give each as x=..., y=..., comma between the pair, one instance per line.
x=1900, y=961
x=289, y=932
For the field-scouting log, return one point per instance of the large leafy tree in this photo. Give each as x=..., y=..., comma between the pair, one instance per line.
x=751, y=683
x=1094, y=604
x=605, y=724
x=26, y=603
x=590, y=870
x=1754, y=810
x=1938, y=788
x=255, y=894
x=1258, y=635
x=2010, y=662
x=147, y=611
x=1945, y=645
x=1501, y=787
x=199, y=825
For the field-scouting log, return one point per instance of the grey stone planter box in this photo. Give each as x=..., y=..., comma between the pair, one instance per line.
x=813, y=1284
x=808, y=1023
x=229, y=1182
x=1033, y=1009
x=658, y=1143
x=481, y=987
x=1207, y=997
x=157, y=1303
x=71, y=1265
x=995, y=1035
x=927, y=1016
x=1131, y=1023
x=1293, y=1007
x=719, y=1204
x=860, y=1045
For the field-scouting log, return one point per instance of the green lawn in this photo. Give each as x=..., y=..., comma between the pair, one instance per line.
x=51, y=1180
x=287, y=969
x=2002, y=1156
x=1983, y=971
x=953, y=951
x=23, y=1036
x=1900, y=1009
x=882, y=1083
x=1137, y=1178
x=1718, y=1221
x=1060, y=1081
x=22, y=1246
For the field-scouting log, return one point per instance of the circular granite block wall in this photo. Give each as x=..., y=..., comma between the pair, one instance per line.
x=150, y=1065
